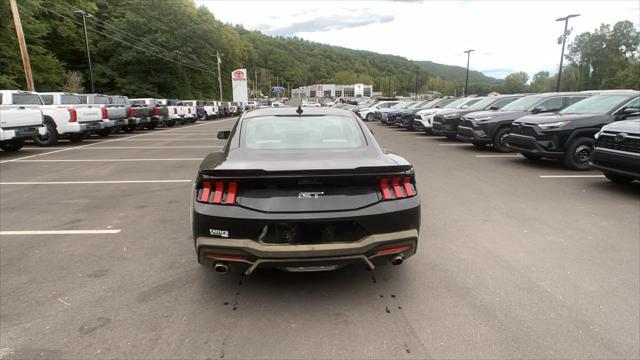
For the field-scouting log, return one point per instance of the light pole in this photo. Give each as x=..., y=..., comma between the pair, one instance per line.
x=466, y=79
x=564, y=39
x=86, y=44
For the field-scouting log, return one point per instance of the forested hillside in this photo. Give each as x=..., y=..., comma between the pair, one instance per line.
x=167, y=48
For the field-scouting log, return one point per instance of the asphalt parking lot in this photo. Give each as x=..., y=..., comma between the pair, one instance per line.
x=515, y=260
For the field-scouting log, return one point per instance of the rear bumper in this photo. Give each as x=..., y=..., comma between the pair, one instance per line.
x=250, y=255
x=529, y=145
x=616, y=162
x=19, y=133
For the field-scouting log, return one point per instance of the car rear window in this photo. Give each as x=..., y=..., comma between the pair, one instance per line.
x=26, y=99
x=305, y=132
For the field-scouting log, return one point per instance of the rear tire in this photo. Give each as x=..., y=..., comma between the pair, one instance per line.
x=171, y=123
x=369, y=117
x=532, y=157
x=12, y=145
x=77, y=137
x=451, y=136
x=618, y=179
x=152, y=126
x=499, y=143
x=129, y=128
x=577, y=154
x=50, y=138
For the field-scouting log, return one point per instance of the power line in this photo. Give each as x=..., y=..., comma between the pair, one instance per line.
x=142, y=42
x=120, y=40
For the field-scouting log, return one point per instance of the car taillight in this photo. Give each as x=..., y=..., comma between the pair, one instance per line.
x=73, y=114
x=132, y=112
x=218, y=192
x=397, y=188
x=105, y=113
x=155, y=110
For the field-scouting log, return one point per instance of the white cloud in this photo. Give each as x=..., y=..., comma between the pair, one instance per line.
x=508, y=35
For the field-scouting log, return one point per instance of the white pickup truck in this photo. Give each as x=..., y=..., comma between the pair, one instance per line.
x=65, y=116
x=20, y=119
x=177, y=111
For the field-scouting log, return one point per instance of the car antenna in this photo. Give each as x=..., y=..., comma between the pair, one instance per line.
x=299, y=111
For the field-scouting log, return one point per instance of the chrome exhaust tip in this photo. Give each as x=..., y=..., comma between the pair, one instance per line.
x=221, y=268
x=397, y=260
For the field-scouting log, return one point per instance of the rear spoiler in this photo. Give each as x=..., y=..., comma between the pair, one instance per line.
x=248, y=173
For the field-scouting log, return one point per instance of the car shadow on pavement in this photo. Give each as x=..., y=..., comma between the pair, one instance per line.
x=625, y=190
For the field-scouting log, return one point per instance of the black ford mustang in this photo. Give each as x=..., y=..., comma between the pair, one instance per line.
x=303, y=191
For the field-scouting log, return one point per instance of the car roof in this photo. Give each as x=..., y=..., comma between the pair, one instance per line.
x=280, y=111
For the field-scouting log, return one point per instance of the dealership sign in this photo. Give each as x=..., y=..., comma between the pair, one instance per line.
x=239, y=83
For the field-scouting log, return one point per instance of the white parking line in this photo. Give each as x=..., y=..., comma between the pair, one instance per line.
x=171, y=139
x=107, y=160
x=500, y=156
x=153, y=147
x=455, y=144
x=570, y=176
x=93, y=182
x=60, y=232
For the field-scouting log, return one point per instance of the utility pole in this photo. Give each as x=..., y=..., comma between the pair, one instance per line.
x=86, y=44
x=255, y=83
x=416, y=93
x=564, y=36
x=466, y=79
x=26, y=64
x=219, y=76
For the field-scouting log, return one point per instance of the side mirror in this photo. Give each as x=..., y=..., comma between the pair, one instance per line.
x=224, y=135
x=537, y=110
x=630, y=111
x=494, y=108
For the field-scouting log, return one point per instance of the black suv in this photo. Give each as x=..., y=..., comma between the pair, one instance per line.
x=569, y=135
x=448, y=120
x=617, y=150
x=491, y=127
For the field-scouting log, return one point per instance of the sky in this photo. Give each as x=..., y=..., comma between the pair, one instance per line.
x=507, y=36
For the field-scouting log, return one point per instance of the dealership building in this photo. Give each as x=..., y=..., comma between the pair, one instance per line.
x=332, y=91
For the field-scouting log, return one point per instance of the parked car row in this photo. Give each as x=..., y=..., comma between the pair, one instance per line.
x=47, y=117
x=584, y=130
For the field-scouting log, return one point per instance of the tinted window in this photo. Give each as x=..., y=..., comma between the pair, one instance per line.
x=137, y=102
x=599, y=104
x=454, y=104
x=307, y=132
x=70, y=99
x=634, y=104
x=482, y=103
x=47, y=99
x=26, y=99
x=100, y=100
x=552, y=104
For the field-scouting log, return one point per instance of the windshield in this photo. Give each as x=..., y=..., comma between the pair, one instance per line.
x=26, y=99
x=599, y=104
x=308, y=132
x=483, y=103
x=522, y=104
x=455, y=104
x=430, y=104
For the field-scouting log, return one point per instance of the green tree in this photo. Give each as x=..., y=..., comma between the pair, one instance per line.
x=515, y=83
x=541, y=82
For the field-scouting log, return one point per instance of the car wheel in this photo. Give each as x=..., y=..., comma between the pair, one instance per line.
x=129, y=128
x=618, y=179
x=451, y=136
x=531, y=157
x=12, y=145
x=152, y=126
x=171, y=123
x=499, y=140
x=369, y=117
x=77, y=137
x=48, y=139
x=578, y=153
x=104, y=132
